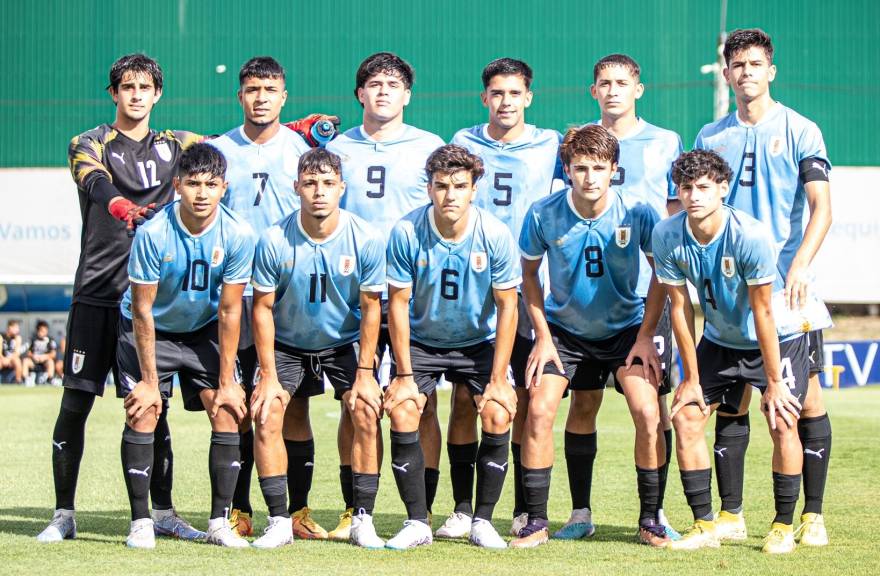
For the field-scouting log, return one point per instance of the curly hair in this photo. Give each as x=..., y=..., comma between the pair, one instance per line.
x=691, y=166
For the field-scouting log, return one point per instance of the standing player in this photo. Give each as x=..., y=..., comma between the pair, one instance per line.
x=730, y=259
x=122, y=171
x=593, y=322
x=642, y=177
x=318, y=276
x=780, y=167
x=452, y=275
x=181, y=315
x=521, y=165
x=383, y=163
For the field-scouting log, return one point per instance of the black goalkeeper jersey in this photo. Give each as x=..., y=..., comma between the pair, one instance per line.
x=141, y=172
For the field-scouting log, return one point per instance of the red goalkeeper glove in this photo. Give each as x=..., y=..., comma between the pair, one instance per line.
x=130, y=213
x=317, y=129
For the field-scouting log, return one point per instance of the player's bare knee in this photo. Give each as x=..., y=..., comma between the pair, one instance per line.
x=364, y=418
x=495, y=419
x=405, y=417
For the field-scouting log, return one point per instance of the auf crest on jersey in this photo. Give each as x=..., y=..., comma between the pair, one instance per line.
x=728, y=268
x=622, y=236
x=346, y=265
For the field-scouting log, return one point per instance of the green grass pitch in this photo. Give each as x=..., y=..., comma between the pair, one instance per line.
x=26, y=500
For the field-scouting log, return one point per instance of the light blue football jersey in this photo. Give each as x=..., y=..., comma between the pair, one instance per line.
x=318, y=285
x=593, y=264
x=765, y=161
x=190, y=270
x=384, y=180
x=517, y=173
x=644, y=176
x=741, y=255
x=452, y=302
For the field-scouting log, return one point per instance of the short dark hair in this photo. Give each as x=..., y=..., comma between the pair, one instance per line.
x=384, y=63
x=202, y=158
x=507, y=67
x=319, y=161
x=691, y=166
x=621, y=60
x=260, y=67
x=42, y=324
x=745, y=38
x=12, y=322
x=138, y=64
x=592, y=141
x=452, y=158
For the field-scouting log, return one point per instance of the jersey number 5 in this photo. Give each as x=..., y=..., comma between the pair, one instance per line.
x=505, y=188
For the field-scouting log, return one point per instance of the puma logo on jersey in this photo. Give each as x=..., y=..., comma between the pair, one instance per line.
x=816, y=453
x=235, y=464
x=59, y=445
x=309, y=465
x=136, y=472
x=120, y=156
x=401, y=468
x=720, y=451
x=502, y=467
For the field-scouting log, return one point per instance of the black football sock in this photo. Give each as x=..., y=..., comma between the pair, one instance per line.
x=223, y=464
x=346, y=482
x=648, y=481
x=519, y=496
x=408, y=463
x=536, y=488
x=365, y=486
x=163, y=463
x=664, y=468
x=274, y=489
x=580, y=453
x=241, y=498
x=491, y=471
x=68, y=442
x=300, y=467
x=731, y=441
x=786, y=490
x=815, y=434
x=462, y=460
x=137, y=467
x=432, y=479
x=698, y=491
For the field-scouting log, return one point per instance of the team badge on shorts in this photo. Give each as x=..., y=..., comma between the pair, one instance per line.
x=479, y=261
x=217, y=256
x=79, y=359
x=728, y=268
x=163, y=150
x=346, y=265
x=777, y=144
x=622, y=236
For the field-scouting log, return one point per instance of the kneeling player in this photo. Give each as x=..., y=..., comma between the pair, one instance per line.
x=729, y=258
x=181, y=315
x=318, y=277
x=452, y=276
x=593, y=322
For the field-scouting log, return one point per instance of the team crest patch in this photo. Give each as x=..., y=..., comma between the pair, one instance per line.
x=163, y=150
x=421, y=263
x=728, y=268
x=776, y=146
x=168, y=258
x=217, y=256
x=479, y=261
x=346, y=265
x=622, y=236
x=79, y=359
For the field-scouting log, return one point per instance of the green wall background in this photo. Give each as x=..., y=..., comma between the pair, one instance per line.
x=56, y=55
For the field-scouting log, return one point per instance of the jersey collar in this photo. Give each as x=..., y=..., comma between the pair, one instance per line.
x=343, y=220
x=527, y=136
x=186, y=231
x=721, y=229
x=472, y=221
x=774, y=110
x=394, y=138
x=569, y=199
x=638, y=129
x=271, y=140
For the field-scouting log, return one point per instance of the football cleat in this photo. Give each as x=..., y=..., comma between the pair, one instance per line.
x=241, y=522
x=141, y=534
x=700, y=535
x=652, y=533
x=519, y=522
x=458, y=525
x=305, y=527
x=168, y=523
x=579, y=525
x=670, y=531
x=780, y=539
x=278, y=533
x=363, y=533
x=730, y=526
x=812, y=531
x=221, y=534
x=62, y=527
x=484, y=535
x=342, y=531
x=414, y=533
x=533, y=534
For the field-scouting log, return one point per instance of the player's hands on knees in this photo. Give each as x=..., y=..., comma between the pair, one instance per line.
x=688, y=392
x=265, y=392
x=542, y=353
x=796, y=286
x=403, y=389
x=316, y=136
x=645, y=350
x=502, y=392
x=130, y=213
x=366, y=389
x=139, y=401
x=231, y=396
x=779, y=401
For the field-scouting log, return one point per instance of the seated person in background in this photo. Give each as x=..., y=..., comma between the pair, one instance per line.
x=10, y=354
x=40, y=354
